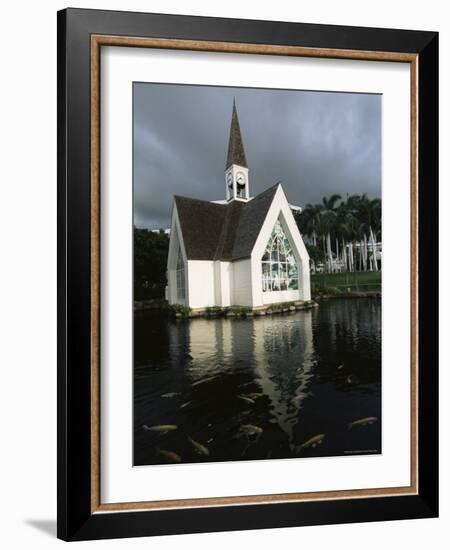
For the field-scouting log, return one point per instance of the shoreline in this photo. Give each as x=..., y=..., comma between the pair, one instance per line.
x=375, y=294
x=159, y=305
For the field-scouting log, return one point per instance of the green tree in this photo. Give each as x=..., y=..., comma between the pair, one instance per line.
x=150, y=259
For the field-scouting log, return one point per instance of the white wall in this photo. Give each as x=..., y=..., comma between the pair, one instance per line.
x=200, y=280
x=242, y=283
x=28, y=350
x=223, y=283
x=280, y=296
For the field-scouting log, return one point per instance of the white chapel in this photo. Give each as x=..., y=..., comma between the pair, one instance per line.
x=242, y=251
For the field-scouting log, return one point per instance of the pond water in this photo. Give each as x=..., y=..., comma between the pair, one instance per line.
x=259, y=388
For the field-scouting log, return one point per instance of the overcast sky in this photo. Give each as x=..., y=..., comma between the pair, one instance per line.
x=314, y=143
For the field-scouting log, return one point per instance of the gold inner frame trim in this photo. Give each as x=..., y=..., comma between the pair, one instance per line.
x=97, y=41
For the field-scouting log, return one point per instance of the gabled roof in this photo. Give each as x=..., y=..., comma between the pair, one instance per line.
x=236, y=152
x=201, y=224
x=226, y=232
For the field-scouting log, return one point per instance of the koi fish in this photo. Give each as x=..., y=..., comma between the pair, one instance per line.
x=161, y=428
x=300, y=396
x=363, y=421
x=246, y=399
x=251, y=429
x=170, y=456
x=254, y=395
x=313, y=442
x=201, y=449
x=203, y=381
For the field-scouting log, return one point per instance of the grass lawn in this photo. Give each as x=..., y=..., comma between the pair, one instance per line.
x=359, y=281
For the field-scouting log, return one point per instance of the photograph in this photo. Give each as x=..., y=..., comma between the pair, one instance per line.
x=257, y=273
x=247, y=293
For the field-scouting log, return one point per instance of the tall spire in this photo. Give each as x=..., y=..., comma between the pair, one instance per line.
x=236, y=153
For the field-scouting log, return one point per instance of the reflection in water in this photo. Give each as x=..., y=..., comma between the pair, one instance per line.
x=285, y=380
x=260, y=387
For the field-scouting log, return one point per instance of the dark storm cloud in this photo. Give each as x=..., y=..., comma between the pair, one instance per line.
x=315, y=143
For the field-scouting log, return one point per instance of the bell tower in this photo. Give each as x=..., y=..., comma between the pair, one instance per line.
x=236, y=169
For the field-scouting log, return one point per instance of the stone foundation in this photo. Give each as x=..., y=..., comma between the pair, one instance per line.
x=242, y=312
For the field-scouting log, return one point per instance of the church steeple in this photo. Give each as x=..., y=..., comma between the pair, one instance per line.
x=236, y=152
x=236, y=169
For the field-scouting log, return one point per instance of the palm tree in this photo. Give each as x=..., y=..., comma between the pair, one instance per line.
x=370, y=216
x=309, y=221
x=328, y=217
x=351, y=226
x=347, y=228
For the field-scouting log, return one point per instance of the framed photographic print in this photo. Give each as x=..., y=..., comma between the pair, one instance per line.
x=247, y=274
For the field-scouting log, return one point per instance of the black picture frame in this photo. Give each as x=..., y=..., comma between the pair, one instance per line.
x=75, y=518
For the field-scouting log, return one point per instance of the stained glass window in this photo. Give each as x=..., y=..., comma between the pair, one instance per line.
x=181, y=288
x=279, y=268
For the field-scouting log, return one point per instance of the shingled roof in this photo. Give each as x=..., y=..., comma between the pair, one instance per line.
x=236, y=152
x=224, y=232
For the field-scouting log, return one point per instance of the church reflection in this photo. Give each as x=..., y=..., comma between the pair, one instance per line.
x=285, y=382
x=273, y=355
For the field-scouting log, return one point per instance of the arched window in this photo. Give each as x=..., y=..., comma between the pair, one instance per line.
x=279, y=268
x=181, y=285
